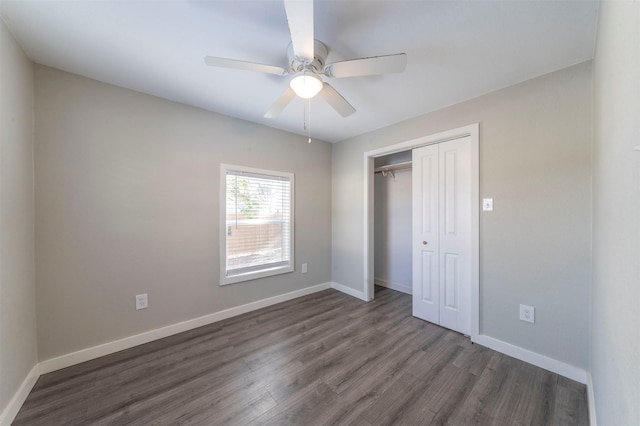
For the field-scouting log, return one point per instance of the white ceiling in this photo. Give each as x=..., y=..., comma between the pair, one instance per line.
x=456, y=50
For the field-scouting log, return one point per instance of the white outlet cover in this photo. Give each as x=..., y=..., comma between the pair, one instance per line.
x=527, y=313
x=487, y=204
x=142, y=301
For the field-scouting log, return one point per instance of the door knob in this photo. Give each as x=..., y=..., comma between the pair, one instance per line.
x=424, y=243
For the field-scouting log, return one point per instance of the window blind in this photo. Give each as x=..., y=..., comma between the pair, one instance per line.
x=258, y=222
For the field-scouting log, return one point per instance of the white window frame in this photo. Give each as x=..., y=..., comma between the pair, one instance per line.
x=224, y=279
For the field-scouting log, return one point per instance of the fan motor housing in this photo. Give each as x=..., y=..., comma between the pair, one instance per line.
x=320, y=52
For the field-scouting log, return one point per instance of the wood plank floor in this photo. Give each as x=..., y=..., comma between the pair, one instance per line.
x=326, y=358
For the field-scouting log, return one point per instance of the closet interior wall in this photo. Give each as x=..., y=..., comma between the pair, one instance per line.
x=392, y=222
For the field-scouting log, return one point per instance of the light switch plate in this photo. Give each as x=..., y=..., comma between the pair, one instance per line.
x=487, y=204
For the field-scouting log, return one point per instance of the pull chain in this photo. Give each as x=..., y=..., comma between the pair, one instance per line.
x=304, y=117
x=309, y=126
x=307, y=118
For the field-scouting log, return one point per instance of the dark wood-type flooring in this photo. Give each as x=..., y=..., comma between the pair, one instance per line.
x=326, y=358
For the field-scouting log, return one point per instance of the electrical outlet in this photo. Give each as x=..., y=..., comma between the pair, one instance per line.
x=304, y=268
x=527, y=313
x=142, y=301
x=487, y=204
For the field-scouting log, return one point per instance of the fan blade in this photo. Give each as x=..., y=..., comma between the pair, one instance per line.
x=336, y=100
x=281, y=103
x=367, y=66
x=243, y=65
x=300, y=18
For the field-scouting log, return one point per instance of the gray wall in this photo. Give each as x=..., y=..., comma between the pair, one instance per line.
x=18, y=352
x=615, y=322
x=127, y=195
x=535, y=161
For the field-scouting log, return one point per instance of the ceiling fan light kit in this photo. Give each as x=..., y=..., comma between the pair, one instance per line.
x=306, y=57
x=306, y=84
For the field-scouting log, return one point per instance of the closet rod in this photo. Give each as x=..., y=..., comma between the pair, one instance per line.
x=394, y=167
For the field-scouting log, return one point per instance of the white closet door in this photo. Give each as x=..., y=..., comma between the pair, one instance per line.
x=426, y=274
x=442, y=234
x=455, y=235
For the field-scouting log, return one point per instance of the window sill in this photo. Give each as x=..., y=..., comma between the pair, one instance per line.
x=224, y=280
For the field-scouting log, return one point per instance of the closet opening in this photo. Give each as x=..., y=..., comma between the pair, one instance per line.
x=392, y=222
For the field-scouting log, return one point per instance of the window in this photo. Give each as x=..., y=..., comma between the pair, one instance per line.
x=256, y=223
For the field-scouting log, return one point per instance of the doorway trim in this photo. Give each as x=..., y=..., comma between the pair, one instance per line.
x=472, y=130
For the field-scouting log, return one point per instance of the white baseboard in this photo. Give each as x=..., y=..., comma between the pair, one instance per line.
x=83, y=355
x=591, y=401
x=11, y=410
x=348, y=290
x=542, y=361
x=393, y=286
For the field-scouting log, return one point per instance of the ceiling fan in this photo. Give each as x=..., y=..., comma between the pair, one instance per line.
x=306, y=57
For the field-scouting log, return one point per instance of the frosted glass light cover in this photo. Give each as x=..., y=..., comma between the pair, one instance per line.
x=306, y=85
